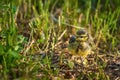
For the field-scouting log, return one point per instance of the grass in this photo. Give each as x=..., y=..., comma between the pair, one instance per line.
x=32, y=42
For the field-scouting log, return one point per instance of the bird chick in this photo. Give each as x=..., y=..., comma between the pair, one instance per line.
x=78, y=45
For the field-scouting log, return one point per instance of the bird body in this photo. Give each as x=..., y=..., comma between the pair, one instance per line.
x=78, y=45
x=77, y=49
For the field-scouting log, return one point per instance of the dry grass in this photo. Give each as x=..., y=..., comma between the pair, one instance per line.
x=34, y=36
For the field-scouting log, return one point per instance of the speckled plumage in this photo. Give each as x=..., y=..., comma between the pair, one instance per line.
x=78, y=45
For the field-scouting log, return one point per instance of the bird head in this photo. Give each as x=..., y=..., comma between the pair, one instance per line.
x=82, y=35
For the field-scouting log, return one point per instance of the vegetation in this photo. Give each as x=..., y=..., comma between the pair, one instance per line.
x=34, y=35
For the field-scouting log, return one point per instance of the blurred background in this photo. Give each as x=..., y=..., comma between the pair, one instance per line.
x=32, y=27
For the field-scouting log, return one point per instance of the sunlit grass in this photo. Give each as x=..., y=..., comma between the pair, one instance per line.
x=30, y=37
